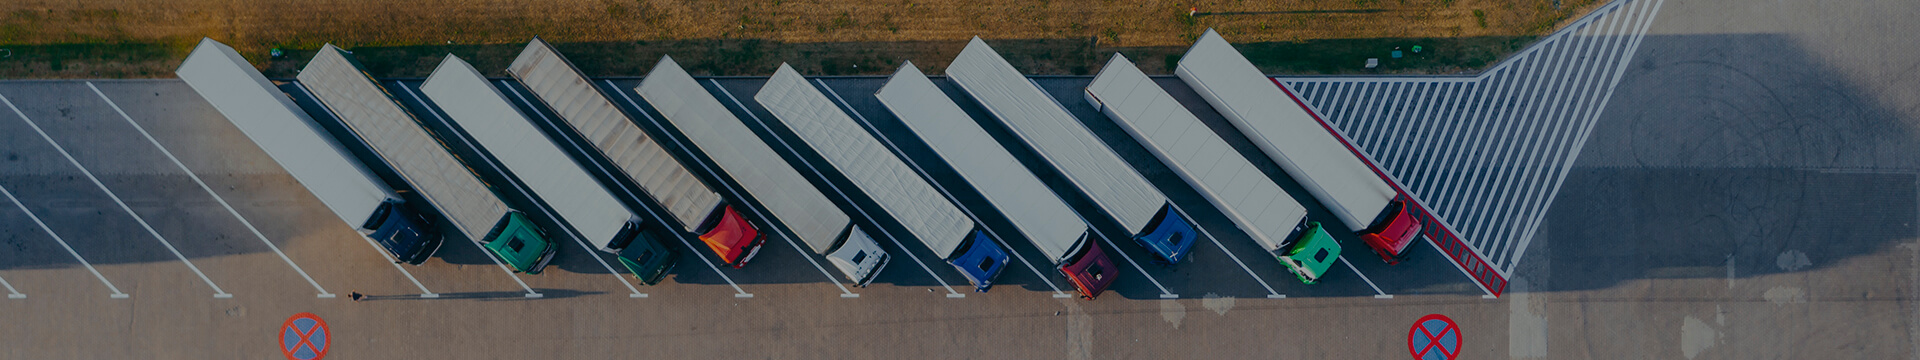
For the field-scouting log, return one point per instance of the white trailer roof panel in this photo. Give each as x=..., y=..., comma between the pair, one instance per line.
x=280, y=128
x=483, y=112
x=845, y=144
x=1028, y=203
x=584, y=108
x=1254, y=202
x=397, y=137
x=741, y=154
x=1060, y=138
x=1284, y=131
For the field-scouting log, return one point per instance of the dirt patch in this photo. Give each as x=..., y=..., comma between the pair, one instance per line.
x=146, y=38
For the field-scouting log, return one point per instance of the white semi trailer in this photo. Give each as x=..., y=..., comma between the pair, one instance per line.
x=1040, y=214
x=342, y=85
x=1314, y=154
x=271, y=119
x=1060, y=139
x=1254, y=203
x=743, y=156
x=582, y=203
x=584, y=109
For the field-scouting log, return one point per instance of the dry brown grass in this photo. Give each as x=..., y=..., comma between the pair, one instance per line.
x=253, y=26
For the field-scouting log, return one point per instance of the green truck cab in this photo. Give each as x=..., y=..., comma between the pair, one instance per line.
x=520, y=244
x=647, y=258
x=1312, y=251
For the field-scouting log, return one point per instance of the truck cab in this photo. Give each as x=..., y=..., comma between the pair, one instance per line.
x=858, y=256
x=1090, y=270
x=980, y=260
x=404, y=233
x=1310, y=253
x=646, y=257
x=1168, y=236
x=520, y=244
x=731, y=237
x=1390, y=235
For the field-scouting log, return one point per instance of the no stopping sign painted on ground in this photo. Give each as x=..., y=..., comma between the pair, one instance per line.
x=304, y=337
x=1434, y=337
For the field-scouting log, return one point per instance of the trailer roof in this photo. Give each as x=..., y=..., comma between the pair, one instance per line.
x=868, y=164
x=1009, y=186
x=1246, y=195
x=591, y=114
x=1059, y=138
x=743, y=155
x=394, y=134
x=1285, y=131
x=283, y=131
x=502, y=130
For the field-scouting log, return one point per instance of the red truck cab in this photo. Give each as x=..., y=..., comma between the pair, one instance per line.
x=731, y=237
x=1389, y=238
x=1090, y=270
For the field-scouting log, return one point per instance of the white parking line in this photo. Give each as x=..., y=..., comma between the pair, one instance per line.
x=476, y=242
x=63, y=244
x=217, y=293
x=522, y=188
x=11, y=293
x=1356, y=271
x=836, y=189
x=956, y=202
x=209, y=190
x=577, y=148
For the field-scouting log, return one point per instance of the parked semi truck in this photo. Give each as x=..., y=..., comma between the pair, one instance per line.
x=582, y=203
x=271, y=119
x=1066, y=144
x=562, y=87
x=396, y=136
x=743, y=156
x=1314, y=154
x=877, y=172
x=1254, y=203
x=1037, y=211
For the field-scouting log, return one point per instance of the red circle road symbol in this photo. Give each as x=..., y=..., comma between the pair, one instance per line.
x=1434, y=337
x=304, y=337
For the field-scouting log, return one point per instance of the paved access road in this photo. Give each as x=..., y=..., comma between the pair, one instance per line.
x=1751, y=191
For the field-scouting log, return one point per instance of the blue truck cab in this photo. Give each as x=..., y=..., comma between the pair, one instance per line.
x=405, y=233
x=980, y=259
x=1169, y=236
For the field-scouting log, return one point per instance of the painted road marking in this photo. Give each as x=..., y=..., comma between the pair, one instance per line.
x=11, y=293
x=1236, y=258
x=217, y=293
x=522, y=188
x=209, y=190
x=676, y=140
x=956, y=202
x=424, y=293
x=836, y=188
x=63, y=244
x=623, y=189
x=1356, y=271
x=1434, y=337
x=305, y=336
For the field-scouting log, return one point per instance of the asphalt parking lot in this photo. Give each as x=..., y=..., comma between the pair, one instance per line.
x=1751, y=192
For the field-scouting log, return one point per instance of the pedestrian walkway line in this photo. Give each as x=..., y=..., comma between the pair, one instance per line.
x=216, y=196
x=63, y=244
x=1486, y=154
x=522, y=188
x=217, y=292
